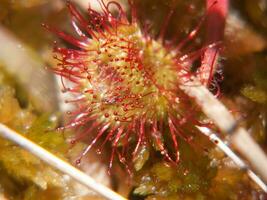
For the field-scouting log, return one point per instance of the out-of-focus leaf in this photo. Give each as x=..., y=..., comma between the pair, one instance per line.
x=141, y=157
x=257, y=12
x=29, y=70
x=255, y=94
x=240, y=38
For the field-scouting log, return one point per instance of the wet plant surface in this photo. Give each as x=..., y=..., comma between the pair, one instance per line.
x=156, y=165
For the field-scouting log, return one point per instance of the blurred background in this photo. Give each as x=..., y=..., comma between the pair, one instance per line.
x=31, y=100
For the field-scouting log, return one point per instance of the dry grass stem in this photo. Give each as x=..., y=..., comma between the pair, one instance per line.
x=59, y=164
x=225, y=121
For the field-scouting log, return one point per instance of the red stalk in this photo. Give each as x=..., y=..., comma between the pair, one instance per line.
x=217, y=11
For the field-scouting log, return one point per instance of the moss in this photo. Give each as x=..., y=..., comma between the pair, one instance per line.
x=254, y=106
x=43, y=133
x=162, y=171
x=19, y=92
x=188, y=179
x=141, y=157
x=196, y=177
x=255, y=94
x=20, y=168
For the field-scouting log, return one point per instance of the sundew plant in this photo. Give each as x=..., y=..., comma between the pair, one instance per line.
x=125, y=83
x=141, y=80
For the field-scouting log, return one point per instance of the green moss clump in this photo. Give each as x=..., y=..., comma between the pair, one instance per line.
x=255, y=94
x=198, y=176
x=189, y=179
x=24, y=175
x=256, y=91
x=254, y=105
